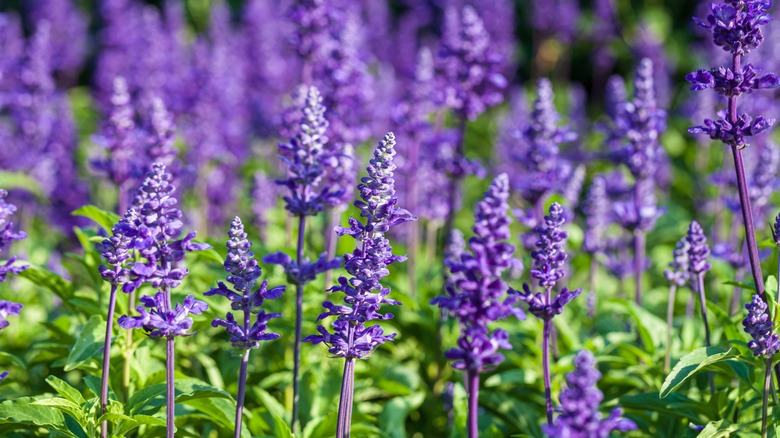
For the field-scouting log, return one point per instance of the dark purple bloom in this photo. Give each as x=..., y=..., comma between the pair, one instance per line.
x=776, y=230
x=116, y=249
x=69, y=33
x=8, y=308
x=758, y=324
x=534, y=159
x=307, y=160
x=469, y=67
x=311, y=21
x=698, y=250
x=736, y=24
x=476, y=294
x=678, y=272
x=597, y=214
x=549, y=258
x=157, y=228
x=367, y=264
x=8, y=235
x=305, y=274
x=244, y=273
x=160, y=321
x=160, y=146
x=580, y=401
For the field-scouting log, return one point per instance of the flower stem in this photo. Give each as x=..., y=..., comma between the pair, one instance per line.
x=473, y=377
x=107, y=359
x=170, y=394
x=343, y=427
x=669, y=317
x=703, y=304
x=332, y=217
x=546, y=370
x=298, y=325
x=765, y=405
x=241, y=390
x=128, y=348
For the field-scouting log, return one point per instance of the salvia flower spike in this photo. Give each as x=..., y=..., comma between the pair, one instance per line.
x=7, y=235
x=548, y=268
x=698, y=251
x=476, y=294
x=244, y=272
x=158, y=227
x=580, y=401
x=350, y=337
x=736, y=27
x=307, y=159
x=764, y=343
x=677, y=275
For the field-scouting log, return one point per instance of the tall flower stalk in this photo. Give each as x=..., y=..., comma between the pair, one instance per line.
x=736, y=28
x=698, y=251
x=476, y=294
x=158, y=227
x=8, y=235
x=765, y=344
x=580, y=401
x=549, y=258
x=115, y=250
x=368, y=264
x=245, y=335
x=306, y=158
x=677, y=275
x=469, y=68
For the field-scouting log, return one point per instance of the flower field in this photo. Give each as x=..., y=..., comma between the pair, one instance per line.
x=389, y=218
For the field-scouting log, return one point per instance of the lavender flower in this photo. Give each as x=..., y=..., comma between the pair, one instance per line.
x=367, y=264
x=470, y=68
x=579, y=412
x=69, y=31
x=548, y=260
x=306, y=158
x=8, y=235
x=596, y=209
x=678, y=272
x=8, y=308
x=698, y=250
x=758, y=325
x=476, y=296
x=311, y=21
x=556, y=18
x=160, y=146
x=158, y=227
x=244, y=272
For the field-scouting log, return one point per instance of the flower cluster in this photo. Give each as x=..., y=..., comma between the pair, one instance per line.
x=537, y=166
x=470, y=67
x=758, y=325
x=308, y=270
x=156, y=231
x=307, y=160
x=8, y=308
x=736, y=28
x=160, y=143
x=678, y=273
x=596, y=209
x=244, y=273
x=548, y=263
x=475, y=290
x=160, y=321
x=116, y=249
x=579, y=411
x=8, y=235
x=698, y=250
x=367, y=264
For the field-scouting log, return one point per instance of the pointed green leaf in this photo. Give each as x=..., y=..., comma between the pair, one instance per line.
x=89, y=344
x=24, y=411
x=692, y=363
x=64, y=389
x=66, y=406
x=105, y=219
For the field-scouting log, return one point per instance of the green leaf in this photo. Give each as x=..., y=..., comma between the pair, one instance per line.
x=651, y=328
x=24, y=411
x=692, y=363
x=394, y=414
x=89, y=344
x=64, y=389
x=281, y=428
x=20, y=180
x=151, y=398
x=718, y=429
x=105, y=219
x=748, y=286
x=49, y=280
x=66, y=406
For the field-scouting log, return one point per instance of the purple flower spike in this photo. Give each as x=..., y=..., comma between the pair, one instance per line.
x=475, y=291
x=160, y=144
x=678, y=273
x=8, y=308
x=159, y=321
x=244, y=273
x=8, y=235
x=550, y=256
x=307, y=159
x=469, y=67
x=698, y=250
x=367, y=264
x=758, y=325
x=579, y=411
